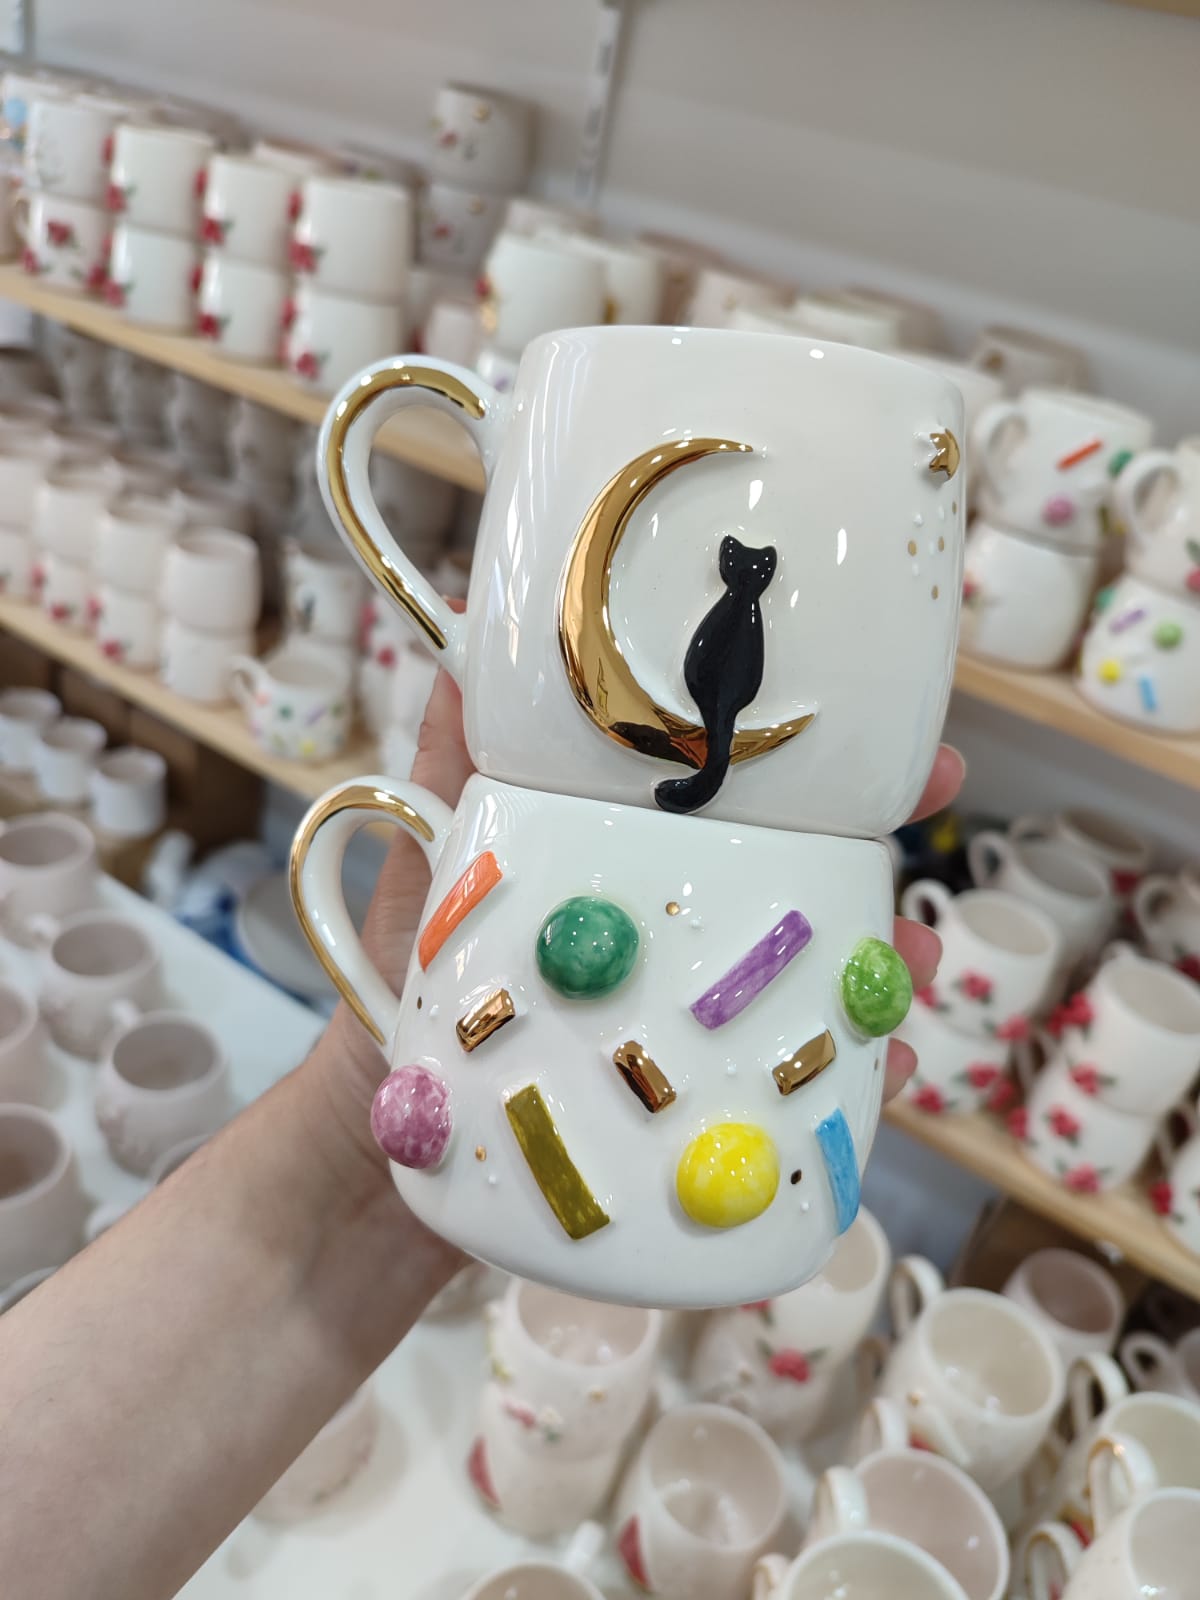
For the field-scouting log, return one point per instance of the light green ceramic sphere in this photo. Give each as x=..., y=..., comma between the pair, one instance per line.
x=876, y=988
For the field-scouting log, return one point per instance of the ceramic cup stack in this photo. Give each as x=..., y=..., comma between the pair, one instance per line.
x=156, y=180
x=132, y=538
x=211, y=594
x=663, y=740
x=245, y=228
x=1001, y=956
x=1035, y=553
x=1141, y=655
x=480, y=150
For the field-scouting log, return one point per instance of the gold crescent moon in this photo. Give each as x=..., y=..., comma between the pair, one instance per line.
x=600, y=677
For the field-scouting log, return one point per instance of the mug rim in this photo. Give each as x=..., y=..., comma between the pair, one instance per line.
x=650, y=1333
x=27, y=1019
x=1081, y=400
x=78, y=831
x=15, y=1111
x=930, y=1461
x=1015, y=1313
x=725, y=1417
x=216, y=1068
x=1154, y=972
x=88, y=918
x=894, y=1542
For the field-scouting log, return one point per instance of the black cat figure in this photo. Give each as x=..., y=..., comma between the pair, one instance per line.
x=723, y=669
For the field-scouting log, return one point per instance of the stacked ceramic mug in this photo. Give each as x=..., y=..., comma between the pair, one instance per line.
x=1040, y=543
x=210, y=593
x=1141, y=656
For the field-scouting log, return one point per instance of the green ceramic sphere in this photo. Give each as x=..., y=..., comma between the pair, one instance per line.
x=586, y=947
x=1167, y=635
x=876, y=988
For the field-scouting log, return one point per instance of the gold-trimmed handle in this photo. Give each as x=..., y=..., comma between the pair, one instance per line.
x=343, y=451
x=315, y=878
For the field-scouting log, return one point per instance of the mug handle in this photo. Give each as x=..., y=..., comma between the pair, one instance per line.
x=1151, y=898
x=839, y=1505
x=583, y=1551
x=1177, y=1127
x=244, y=673
x=1094, y=1382
x=1146, y=1358
x=882, y=1427
x=343, y=452
x=915, y=1283
x=926, y=894
x=769, y=1574
x=1031, y=827
x=1051, y=1556
x=19, y=211
x=1127, y=489
x=1119, y=1471
x=315, y=878
x=985, y=435
x=987, y=853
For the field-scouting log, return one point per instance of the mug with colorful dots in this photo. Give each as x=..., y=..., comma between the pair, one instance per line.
x=1048, y=461
x=636, y=1057
x=297, y=702
x=1141, y=657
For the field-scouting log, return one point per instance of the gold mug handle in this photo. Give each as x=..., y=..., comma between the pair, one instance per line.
x=360, y=408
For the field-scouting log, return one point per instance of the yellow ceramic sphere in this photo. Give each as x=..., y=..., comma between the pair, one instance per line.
x=728, y=1175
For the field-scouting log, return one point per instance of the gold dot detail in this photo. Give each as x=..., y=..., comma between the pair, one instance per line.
x=673, y=908
x=954, y=508
x=481, y=1152
x=941, y=544
x=418, y=1002
x=912, y=547
x=935, y=591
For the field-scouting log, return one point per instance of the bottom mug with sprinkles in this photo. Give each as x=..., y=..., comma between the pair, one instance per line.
x=637, y=1056
x=1141, y=657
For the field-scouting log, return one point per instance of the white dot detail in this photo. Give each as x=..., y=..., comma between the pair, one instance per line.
x=434, y=1008
x=493, y=1180
x=731, y=1070
x=941, y=513
x=918, y=521
x=697, y=923
x=916, y=569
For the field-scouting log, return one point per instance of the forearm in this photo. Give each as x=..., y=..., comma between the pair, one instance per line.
x=156, y=1387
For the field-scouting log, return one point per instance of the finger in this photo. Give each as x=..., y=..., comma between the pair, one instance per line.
x=921, y=949
x=443, y=762
x=901, y=1064
x=943, y=783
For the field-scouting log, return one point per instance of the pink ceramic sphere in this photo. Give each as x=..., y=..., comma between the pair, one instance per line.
x=1058, y=510
x=411, y=1118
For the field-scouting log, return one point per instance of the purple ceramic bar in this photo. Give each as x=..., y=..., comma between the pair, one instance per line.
x=748, y=977
x=1127, y=619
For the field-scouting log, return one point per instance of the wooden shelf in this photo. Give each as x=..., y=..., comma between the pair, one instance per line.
x=1051, y=700
x=422, y=437
x=222, y=728
x=1122, y=1218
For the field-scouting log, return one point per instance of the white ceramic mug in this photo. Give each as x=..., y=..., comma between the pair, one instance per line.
x=328, y=1464
x=1167, y=912
x=64, y=240
x=25, y=714
x=999, y=955
x=297, y=701
x=152, y=277
x=198, y=664
x=1047, y=461
x=626, y=617
x=47, y=865
x=1169, y=1369
x=68, y=505
x=239, y=306
x=64, y=588
x=1141, y=657
x=18, y=558
x=1138, y=1025
x=63, y=759
x=701, y=1503
x=530, y=286
x=24, y=457
x=325, y=594
x=42, y=1206
x=90, y=963
x=452, y=331
x=68, y=143
x=1024, y=602
x=718, y=293
x=455, y=226
x=1157, y=498
x=353, y=237
x=1118, y=847
x=1149, y=1549
x=634, y=276
x=1020, y=359
x=547, y=1580
x=831, y=316
x=132, y=540
x=856, y=1566
x=329, y=336
x=156, y=176
x=479, y=137
x=249, y=207
x=956, y=1071
x=1071, y=889
x=978, y=1377
x=1078, y=1302
x=1076, y=1137
x=917, y=1496
x=129, y=793
x=211, y=579
x=22, y=1061
x=164, y=1079
x=126, y=626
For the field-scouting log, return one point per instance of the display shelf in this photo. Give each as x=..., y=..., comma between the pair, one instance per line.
x=421, y=436
x=222, y=728
x=1051, y=700
x=1121, y=1218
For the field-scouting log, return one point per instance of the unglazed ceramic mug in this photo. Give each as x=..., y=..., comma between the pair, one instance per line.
x=211, y=580
x=599, y=606
x=353, y=237
x=132, y=540
x=329, y=1463
x=479, y=137
x=22, y=1065
x=856, y=1566
x=1047, y=461
x=1157, y=499
x=64, y=240
x=770, y=1359
x=91, y=962
x=455, y=226
x=63, y=759
x=239, y=306
x=999, y=954
x=917, y=1496
x=1167, y=912
x=701, y=1503
x=1118, y=848
x=129, y=793
x=1078, y=1302
x=956, y=1070
x=152, y=277
x=47, y=865
x=328, y=336
x=42, y=1206
x=248, y=209
x=198, y=664
x=1024, y=602
x=1141, y=657
x=1149, y=1549
x=575, y=1374
x=156, y=176
x=978, y=1377
x=1071, y=889
x=164, y=1079
x=126, y=626
x=714, y=1170
x=25, y=714
x=1021, y=359
x=298, y=702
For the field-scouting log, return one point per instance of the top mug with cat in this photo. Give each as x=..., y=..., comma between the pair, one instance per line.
x=715, y=571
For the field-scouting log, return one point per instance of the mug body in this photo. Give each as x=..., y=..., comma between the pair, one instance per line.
x=132, y=541
x=717, y=294
x=634, y=277
x=42, y=1205
x=67, y=144
x=25, y=714
x=298, y=702
x=211, y=580
x=1149, y=1550
x=659, y=446
x=1124, y=853
x=1074, y=892
x=64, y=757
x=1075, y=1136
x=16, y=564
x=126, y=626
x=47, y=866
x=1141, y=657
x=531, y=286
x=152, y=277
x=248, y=207
x=239, y=306
x=324, y=594
x=867, y=1563
x=1077, y=1301
x=157, y=176
x=65, y=242
x=1164, y=521
x=353, y=237
x=197, y=663
x=328, y=337
x=1177, y=1197
x=1022, y=359
x=956, y=1070
x=22, y=1065
x=93, y=963
x=479, y=138
x=164, y=1079
x=456, y=225
x=65, y=589
x=129, y=793
x=1167, y=912
x=1023, y=602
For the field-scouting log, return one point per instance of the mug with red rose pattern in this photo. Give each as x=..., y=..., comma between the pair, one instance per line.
x=1167, y=912
x=248, y=209
x=1176, y=1196
x=999, y=956
x=353, y=237
x=479, y=138
x=156, y=176
x=65, y=241
x=152, y=277
x=327, y=337
x=958, y=1071
x=1074, y=1136
x=239, y=306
